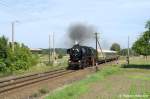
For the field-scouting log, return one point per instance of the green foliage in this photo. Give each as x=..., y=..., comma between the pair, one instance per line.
x=115, y=47
x=148, y=25
x=60, y=56
x=142, y=45
x=3, y=47
x=2, y=66
x=20, y=58
x=43, y=90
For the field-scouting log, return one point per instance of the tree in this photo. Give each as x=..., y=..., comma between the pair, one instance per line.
x=3, y=52
x=115, y=47
x=3, y=47
x=142, y=45
x=148, y=25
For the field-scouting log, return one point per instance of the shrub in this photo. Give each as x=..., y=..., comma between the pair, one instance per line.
x=3, y=67
x=19, y=59
x=43, y=90
x=60, y=56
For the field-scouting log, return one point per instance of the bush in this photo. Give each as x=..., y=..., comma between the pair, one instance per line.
x=21, y=65
x=60, y=56
x=34, y=59
x=19, y=59
x=43, y=90
x=3, y=67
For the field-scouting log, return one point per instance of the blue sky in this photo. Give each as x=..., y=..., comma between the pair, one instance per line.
x=113, y=19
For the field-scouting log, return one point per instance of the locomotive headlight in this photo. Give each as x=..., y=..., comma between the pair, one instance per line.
x=79, y=61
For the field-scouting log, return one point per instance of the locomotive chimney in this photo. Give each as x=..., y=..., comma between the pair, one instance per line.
x=76, y=42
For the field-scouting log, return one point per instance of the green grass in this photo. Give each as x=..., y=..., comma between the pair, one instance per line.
x=139, y=60
x=133, y=75
x=140, y=77
x=132, y=90
x=74, y=90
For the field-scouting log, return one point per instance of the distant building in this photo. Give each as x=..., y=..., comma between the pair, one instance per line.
x=36, y=50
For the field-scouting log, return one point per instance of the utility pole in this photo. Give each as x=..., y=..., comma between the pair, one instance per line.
x=49, y=49
x=53, y=48
x=96, y=47
x=128, y=59
x=101, y=50
x=96, y=39
x=13, y=35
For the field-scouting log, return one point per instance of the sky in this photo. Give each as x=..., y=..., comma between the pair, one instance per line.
x=114, y=20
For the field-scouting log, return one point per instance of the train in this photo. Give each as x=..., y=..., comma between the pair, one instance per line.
x=81, y=57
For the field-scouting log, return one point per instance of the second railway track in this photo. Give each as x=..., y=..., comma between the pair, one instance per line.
x=14, y=83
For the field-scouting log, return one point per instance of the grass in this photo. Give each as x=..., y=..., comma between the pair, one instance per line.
x=139, y=63
x=139, y=60
x=74, y=90
x=131, y=83
x=140, y=77
x=39, y=93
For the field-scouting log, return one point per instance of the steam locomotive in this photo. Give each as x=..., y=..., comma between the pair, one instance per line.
x=84, y=56
x=81, y=57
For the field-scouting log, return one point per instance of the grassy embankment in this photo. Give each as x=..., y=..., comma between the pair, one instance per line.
x=42, y=66
x=112, y=81
x=76, y=89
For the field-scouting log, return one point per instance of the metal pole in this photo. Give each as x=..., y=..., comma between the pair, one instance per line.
x=101, y=51
x=13, y=36
x=96, y=68
x=49, y=49
x=128, y=60
x=53, y=48
x=96, y=47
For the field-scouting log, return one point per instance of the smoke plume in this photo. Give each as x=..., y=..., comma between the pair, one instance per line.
x=81, y=33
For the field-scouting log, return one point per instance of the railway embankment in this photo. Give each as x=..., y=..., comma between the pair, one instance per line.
x=113, y=81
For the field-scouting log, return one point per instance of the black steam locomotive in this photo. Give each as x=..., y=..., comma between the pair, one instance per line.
x=84, y=56
x=81, y=57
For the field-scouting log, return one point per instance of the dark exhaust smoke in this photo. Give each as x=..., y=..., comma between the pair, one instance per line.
x=80, y=33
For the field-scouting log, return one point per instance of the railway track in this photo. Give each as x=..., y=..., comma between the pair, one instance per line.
x=21, y=81
x=14, y=83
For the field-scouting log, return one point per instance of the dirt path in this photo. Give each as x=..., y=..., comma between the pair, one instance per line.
x=117, y=86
